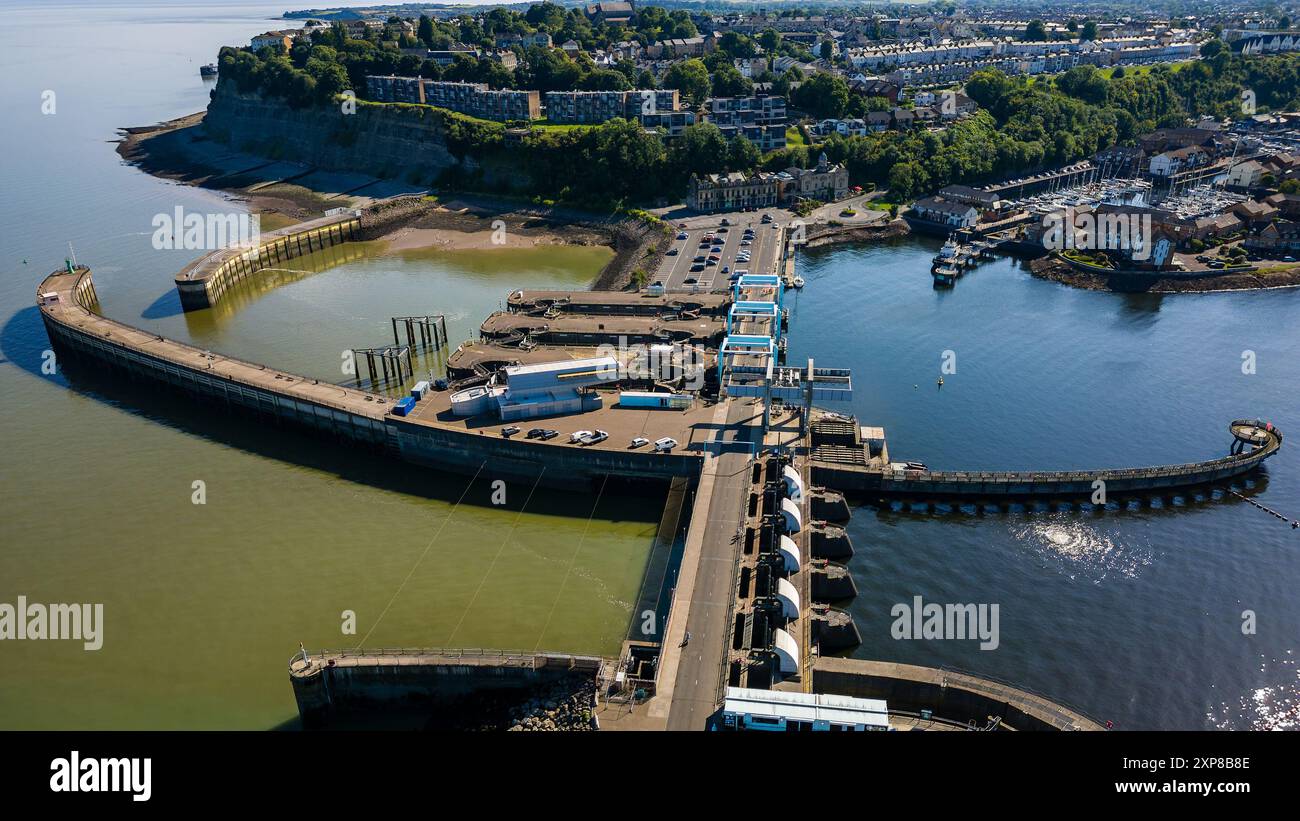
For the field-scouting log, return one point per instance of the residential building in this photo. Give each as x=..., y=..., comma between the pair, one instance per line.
x=1246, y=174
x=591, y=107
x=1169, y=163
x=827, y=182
x=671, y=123
x=474, y=99
x=758, y=110
x=732, y=191
x=944, y=212
x=282, y=39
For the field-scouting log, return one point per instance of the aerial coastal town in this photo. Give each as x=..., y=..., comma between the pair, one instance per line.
x=967, y=117
x=647, y=281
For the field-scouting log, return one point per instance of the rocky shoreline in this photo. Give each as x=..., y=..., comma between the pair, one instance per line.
x=1055, y=269
x=284, y=193
x=822, y=235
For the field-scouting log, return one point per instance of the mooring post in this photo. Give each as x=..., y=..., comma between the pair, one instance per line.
x=394, y=320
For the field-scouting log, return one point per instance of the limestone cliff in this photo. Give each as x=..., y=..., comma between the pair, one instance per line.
x=416, y=144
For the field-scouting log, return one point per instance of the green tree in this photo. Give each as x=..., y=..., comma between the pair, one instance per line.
x=424, y=31
x=1089, y=31
x=742, y=155
x=728, y=82
x=1035, y=31
x=690, y=77
x=823, y=95
x=701, y=150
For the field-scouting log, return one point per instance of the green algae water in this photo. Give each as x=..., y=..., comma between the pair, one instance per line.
x=204, y=604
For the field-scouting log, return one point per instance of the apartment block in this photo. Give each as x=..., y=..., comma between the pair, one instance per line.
x=474, y=99
x=590, y=107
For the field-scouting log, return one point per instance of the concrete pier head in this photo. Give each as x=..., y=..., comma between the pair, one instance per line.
x=333, y=683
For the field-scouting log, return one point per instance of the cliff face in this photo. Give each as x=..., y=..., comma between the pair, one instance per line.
x=408, y=143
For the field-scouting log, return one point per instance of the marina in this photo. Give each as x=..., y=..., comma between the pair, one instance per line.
x=795, y=452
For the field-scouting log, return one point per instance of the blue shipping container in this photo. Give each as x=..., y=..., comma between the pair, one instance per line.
x=403, y=406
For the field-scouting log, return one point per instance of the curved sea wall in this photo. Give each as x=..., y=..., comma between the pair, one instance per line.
x=202, y=283
x=67, y=301
x=949, y=696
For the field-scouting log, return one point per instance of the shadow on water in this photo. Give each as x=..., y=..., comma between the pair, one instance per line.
x=23, y=344
x=23, y=341
x=164, y=307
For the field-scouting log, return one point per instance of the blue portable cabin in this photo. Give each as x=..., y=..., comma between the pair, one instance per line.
x=651, y=399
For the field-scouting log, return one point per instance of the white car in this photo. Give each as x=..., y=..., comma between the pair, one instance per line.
x=578, y=435
x=639, y=442
x=665, y=444
x=594, y=437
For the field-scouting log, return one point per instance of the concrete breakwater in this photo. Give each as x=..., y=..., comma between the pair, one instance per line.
x=843, y=459
x=67, y=300
x=950, y=697
x=203, y=282
x=486, y=688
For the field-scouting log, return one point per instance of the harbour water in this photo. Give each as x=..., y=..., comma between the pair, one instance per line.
x=1131, y=616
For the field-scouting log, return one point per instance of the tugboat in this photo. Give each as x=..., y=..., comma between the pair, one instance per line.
x=209, y=70
x=945, y=276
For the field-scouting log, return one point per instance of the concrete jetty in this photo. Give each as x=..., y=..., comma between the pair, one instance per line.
x=333, y=683
x=843, y=458
x=933, y=694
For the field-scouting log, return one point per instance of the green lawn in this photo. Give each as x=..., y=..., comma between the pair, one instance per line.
x=545, y=125
x=793, y=136
x=1131, y=71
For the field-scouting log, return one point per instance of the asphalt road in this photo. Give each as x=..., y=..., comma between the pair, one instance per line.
x=699, y=671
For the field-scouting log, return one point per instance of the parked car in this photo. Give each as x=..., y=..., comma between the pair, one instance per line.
x=726, y=221
x=683, y=235
x=767, y=218
x=535, y=433
x=699, y=258
x=697, y=267
x=596, y=436
x=690, y=281
x=665, y=445
x=549, y=434
x=577, y=435
x=639, y=442
x=509, y=431
x=672, y=252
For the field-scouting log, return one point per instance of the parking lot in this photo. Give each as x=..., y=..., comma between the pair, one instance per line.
x=708, y=253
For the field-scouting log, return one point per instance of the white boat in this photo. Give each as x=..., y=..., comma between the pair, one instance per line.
x=948, y=253
x=798, y=282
